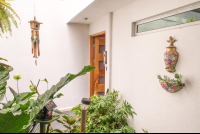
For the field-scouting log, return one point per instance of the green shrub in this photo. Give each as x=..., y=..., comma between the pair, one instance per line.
x=104, y=115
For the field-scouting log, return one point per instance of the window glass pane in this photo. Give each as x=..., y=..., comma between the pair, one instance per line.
x=102, y=80
x=101, y=48
x=101, y=65
x=186, y=17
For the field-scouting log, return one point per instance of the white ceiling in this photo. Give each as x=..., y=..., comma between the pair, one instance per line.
x=97, y=9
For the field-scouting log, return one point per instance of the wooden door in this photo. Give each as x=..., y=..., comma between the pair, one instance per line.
x=97, y=76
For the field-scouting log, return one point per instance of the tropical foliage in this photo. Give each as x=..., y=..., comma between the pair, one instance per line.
x=104, y=115
x=7, y=16
x=4, y=76
x=18, y=115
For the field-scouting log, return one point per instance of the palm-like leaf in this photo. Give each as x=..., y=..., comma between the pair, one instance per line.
x=6, y=16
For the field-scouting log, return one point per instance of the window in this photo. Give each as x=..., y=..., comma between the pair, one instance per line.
x=181, y=18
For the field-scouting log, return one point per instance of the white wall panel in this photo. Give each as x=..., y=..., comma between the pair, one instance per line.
x=64, y=49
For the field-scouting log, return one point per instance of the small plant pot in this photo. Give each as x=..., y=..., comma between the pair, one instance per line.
x=173, y=88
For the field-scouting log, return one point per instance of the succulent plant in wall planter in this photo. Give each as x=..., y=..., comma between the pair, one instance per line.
x=171, y=85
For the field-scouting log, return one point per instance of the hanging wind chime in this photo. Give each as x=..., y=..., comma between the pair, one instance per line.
x=35, y=40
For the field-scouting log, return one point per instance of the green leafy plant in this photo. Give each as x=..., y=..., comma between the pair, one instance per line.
x=4, y=76
x=104, y=115
x=70, y=123
x=7, y=15
x=189, y=20
x=18, y=115
x=145, y=131
x=171, y=85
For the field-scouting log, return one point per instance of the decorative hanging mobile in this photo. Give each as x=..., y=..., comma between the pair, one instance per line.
x=35, y=40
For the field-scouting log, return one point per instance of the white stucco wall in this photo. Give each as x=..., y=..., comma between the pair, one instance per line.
x=64, y=49
x=136, y=62
x=74, y=7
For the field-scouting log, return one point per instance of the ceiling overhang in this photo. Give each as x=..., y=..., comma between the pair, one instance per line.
x=97, y=9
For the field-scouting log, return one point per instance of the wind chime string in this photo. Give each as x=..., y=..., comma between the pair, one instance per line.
x=34, y=19
x=34, y=7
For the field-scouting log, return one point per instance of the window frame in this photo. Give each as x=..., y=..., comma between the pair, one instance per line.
x=166, y=14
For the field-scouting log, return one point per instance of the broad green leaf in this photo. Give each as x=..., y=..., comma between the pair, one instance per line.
x=12, y=124
x=145, y=131
x=4, y=76
x=4, y=111
x=2, y=89
x=26, y=95
x=58, y=96
x=9, y=104
x=66, y=118
x=17, y=113
x=59, y=121
x=58, y=112
x=58, y=131
x=43, y=99
x=30, y=102
x=2, y=103
x=21, y=105
x=15, y=95
x=67, y=126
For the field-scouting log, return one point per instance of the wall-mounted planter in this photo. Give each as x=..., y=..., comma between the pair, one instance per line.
x=171, y=56
x=171, y=85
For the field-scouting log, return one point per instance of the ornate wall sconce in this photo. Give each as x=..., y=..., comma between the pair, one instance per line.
x=171, y=56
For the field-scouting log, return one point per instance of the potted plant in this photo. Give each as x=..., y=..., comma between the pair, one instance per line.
x=171, y=85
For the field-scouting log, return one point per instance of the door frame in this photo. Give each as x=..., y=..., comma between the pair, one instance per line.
x=91, y=59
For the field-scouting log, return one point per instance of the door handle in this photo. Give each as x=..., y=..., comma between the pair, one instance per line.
x=104, y=58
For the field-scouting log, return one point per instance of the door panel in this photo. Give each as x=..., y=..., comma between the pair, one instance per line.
x=97, y=61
